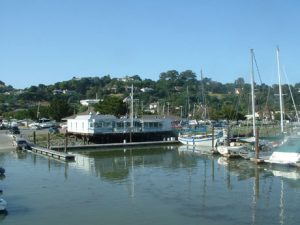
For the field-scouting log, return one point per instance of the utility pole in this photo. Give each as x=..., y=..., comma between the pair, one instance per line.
x=168, y=113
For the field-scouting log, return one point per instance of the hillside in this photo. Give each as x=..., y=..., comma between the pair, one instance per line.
x=174, y=93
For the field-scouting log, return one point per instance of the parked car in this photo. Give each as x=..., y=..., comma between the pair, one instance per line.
x=34, y=126
x=53, y=130
x=14, y=130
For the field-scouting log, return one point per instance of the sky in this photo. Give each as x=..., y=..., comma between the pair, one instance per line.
x=49, y=41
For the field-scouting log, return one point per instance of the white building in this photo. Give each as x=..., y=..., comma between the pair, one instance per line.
x=97, y=124
x=91, y=124
x=88, y=102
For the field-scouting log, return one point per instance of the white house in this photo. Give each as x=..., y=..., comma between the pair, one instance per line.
x=88, y=102
x=91, y=124
x=97, y=124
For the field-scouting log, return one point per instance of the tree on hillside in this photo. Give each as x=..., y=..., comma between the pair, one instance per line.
x=112, y=105
x=59, y=108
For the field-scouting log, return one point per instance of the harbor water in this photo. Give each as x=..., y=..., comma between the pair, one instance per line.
x=140, y=186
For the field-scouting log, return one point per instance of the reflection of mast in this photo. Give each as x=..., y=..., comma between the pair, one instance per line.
x=132, y=176
x=204, y=183
x=213, y=169
x=228, y=179
x=255, y=195
x=281, y=206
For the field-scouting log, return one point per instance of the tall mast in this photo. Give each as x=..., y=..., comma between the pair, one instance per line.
x=131, y=107
x=280, y=90
x=188, y=102
x=252, y=91
x=203, y=96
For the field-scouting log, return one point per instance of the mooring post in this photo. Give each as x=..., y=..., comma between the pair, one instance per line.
x=227, y=136
x=130, y=135
x=34, y=138
x=66, y=142
x=257, y=143
x=48, y=140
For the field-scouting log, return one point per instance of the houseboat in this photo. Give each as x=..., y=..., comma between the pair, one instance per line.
x=97, y=128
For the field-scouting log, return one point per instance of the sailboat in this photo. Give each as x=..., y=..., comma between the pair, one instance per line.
x=289, y=156
x=202, y=139
x=243, y=146
x=234, y=149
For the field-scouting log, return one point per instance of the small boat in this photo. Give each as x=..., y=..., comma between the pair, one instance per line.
x=2, y=171
x=196, y=149
x=21, y=144
x=3, y=204
x=200, y=139
x=235, y=149
x=284, y=158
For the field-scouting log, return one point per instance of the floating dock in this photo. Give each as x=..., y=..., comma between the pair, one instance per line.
x=53, y=154
x=116, y=145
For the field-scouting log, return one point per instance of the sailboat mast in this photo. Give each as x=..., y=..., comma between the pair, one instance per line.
x=280, y=90
x=252, y=92
x=203, y=95
x=131, y=108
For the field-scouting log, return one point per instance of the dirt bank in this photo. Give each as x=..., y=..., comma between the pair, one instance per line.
x=6, y=141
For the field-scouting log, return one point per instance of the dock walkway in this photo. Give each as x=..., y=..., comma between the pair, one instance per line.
x=115, y=145
x=53, y=154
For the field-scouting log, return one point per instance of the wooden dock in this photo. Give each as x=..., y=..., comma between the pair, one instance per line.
x=115, y=145
x=53, y=154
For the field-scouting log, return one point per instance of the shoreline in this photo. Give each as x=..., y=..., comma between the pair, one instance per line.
x=6, y=142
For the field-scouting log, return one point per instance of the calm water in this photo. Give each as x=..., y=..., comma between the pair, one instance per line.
x=159, y=185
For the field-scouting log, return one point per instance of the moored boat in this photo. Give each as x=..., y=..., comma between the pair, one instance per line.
x=200, y=139
x=232, y=150
x=3, y=204
x=284, y=158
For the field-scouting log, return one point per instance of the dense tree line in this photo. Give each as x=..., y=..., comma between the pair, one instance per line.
x=175, y=93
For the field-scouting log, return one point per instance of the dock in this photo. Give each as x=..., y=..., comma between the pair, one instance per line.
x=116, y=145
x=54, y=154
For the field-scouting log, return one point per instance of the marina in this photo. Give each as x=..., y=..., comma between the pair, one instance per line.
x=157, y=184
x=149, y=113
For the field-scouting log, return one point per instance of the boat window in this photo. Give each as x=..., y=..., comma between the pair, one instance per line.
x=120, y=125
x=98, y=124
x=107, y=124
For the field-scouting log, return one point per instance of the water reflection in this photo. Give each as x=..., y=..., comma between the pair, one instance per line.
x=188, y=185
x=116, y=165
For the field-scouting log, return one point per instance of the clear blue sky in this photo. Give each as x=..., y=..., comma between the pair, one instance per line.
x=47, y=41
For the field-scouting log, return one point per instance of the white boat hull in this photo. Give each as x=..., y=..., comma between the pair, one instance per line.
x=285, y=158
x=193, y=141
x=230, y=151
x=3, y=204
